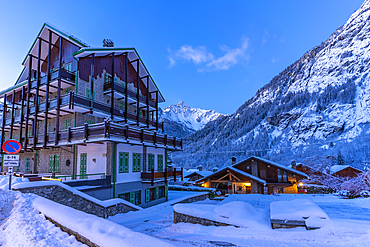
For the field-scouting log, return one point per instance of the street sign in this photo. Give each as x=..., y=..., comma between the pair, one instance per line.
x=11, y=157
x=10, y=163
x=11, y=147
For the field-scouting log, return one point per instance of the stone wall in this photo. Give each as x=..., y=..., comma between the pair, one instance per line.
x=194, y=199
x=178, y=217
x=65, y=197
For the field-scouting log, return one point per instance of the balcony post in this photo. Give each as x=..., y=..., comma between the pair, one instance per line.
x=174, y=141
x=12, y=116
x=155, y=138
x=138, y=94
x=126, y=78
x=92, y=72
x=156, y=110
x=3, y=127
x=142, y=135
x=126, y=133
x=165, y=140
x=69, y=134
x=152, y=182
x=58, y=93
x=181, y=143
x=22, y=113
x=182, y=174
x=147, y=101
x=28, y=103
x=86, y=134
x=36, y=103
x=47, y=91
x=174, y=174
x=112, y=93
x=165, y=175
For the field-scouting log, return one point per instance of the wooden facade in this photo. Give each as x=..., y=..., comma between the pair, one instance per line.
x=254, y=175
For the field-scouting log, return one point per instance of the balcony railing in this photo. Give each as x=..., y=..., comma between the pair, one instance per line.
x=130, y=93
x=106, y=130
x=165, y=175
x=54, y=76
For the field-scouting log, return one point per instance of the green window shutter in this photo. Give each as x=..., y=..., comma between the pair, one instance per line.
x=166, y=191
x=150, y=162
x=160, y=162
x=56, y=163
x=106, y=78
x=134, y=162
x=132, y=197
x=156, y=193
x=136, y=157
x=28, y=160
x=115, y=79
x=147, y=195
x=83, y=165
x=88, y=93
x=120, y=162
x=51, y=163
x=67, y=91
x=122, y=105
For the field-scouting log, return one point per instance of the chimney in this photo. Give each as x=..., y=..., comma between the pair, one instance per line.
x=108, y=43
x=294, y=164
x=214, y=169
x=233, y=160
x=200, y=168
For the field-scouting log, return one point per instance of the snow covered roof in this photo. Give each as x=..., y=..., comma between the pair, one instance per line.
x=132, y=55
x=337, y=168
x=282, y=167
x=257, y=179
x=202, y=173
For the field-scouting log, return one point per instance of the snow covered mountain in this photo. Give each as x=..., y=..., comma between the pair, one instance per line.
x=182, y=120
x=319, y=105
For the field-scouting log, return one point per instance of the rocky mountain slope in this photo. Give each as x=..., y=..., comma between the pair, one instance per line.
x=181, y=120
x=319, y=105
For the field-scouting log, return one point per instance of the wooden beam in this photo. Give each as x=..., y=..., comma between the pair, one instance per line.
x=22, y=114
x=157, y=110
x=12, y=116
x=47, y=91
x=36, y=103
x=147, y=101
x=58, y=93
x=126, y=79
x=92, y=72
x=28, y=104
x=3, y=127
x=112, y=93
x=138, y=95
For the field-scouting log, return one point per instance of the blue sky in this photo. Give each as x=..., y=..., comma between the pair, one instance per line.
x=210, y=54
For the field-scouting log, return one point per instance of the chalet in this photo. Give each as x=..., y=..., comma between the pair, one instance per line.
x=196, y=174
x=89, y=114
x=344, y=171
x=254, y=175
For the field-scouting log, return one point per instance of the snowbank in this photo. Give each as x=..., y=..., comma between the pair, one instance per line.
x=99, y=231
x=106, y=203
x=298, y=209
x=4, y=181
x=190, y=188
x=236, y=213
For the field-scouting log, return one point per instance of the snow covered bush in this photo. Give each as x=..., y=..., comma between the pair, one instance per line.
x=365, y=193
x=344, y=193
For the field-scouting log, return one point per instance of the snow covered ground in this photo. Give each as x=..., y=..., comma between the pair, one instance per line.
x=348, y=224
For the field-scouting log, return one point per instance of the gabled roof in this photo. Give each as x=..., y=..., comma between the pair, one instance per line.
x=338, y=168
x=132, y=55
x=257, y=179
x=282, y=167
x=201, y=173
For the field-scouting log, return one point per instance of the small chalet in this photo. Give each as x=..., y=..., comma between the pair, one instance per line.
x=196, y=174
x=344, y=171
x=254, y=176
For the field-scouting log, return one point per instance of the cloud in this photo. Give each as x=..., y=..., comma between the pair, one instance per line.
x=206, y=61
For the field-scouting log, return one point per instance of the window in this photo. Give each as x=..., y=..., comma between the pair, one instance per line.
x=124, y=196
x=122, y=105
x=68, y=67
x=150, y=162
x=136, y=162
x=108, y=78
x=262, y=173
x=67, y=91
x=28, y=161
x=54, y=163
x=161, y=191
x=137, y=197
x=66, y=124
x=280, y=175
x=123, y=162
x=160, y=162
x=88, y=93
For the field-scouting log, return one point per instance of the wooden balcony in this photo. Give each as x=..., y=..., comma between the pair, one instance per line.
x=68, y=79
x=105, y=131
x=162, y=175
x=132, y=95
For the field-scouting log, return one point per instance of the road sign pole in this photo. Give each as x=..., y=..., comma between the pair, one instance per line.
x=10, y=170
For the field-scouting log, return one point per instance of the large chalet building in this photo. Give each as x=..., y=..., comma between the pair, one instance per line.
x=84, y=113
x=254, y=175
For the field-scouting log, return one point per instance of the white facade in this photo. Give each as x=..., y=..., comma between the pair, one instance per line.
x=96, y=158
